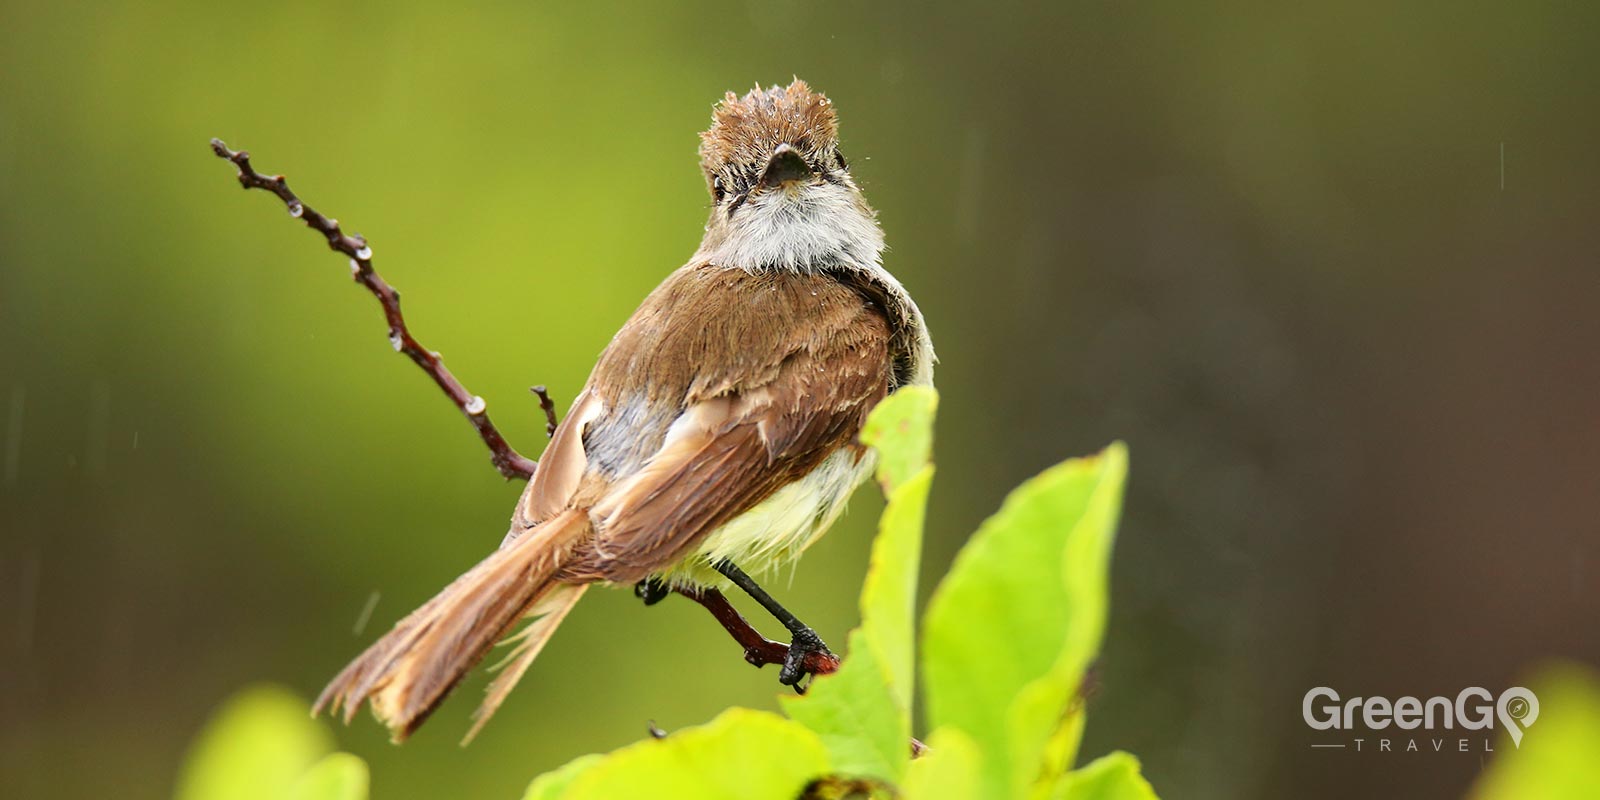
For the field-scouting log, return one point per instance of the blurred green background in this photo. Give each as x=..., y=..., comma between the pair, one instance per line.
x=1330, y=272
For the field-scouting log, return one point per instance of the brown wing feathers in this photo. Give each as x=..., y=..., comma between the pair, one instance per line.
x=746, y=433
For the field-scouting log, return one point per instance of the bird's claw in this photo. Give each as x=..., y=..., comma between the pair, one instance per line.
x=794, y=672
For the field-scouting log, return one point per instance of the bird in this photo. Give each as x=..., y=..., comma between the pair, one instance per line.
x=717, y=435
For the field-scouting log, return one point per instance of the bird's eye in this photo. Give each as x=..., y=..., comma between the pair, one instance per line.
x=716, y=188
x=839, y=154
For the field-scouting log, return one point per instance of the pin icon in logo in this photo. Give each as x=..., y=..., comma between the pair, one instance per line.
x=1517, y=709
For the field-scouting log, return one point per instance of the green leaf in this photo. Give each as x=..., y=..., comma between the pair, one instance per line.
x=552, y=785
x=340, y=776
x=863, y=712
x=1110, y=777
x=740, y=755
x=1017, y=620
x=901, y=430
x=255, y=748
x=948, y=770
x=1060, y=751
x=1556, y=759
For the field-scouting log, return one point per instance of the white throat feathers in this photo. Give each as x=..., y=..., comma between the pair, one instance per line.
x=805, y=228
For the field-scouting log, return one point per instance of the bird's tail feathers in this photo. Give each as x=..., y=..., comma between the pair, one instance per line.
x=546, y=616
x=410, y=670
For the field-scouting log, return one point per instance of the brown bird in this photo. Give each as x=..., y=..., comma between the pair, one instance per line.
x=717, y=433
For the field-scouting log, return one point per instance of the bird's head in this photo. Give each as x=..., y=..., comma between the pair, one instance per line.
x=781, y=190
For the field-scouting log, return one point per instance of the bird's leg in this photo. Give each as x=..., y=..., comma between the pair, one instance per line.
x=758, y=650
x=804, y=643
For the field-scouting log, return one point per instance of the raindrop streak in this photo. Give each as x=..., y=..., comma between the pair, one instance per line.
x=366, y=613
x=476, y=405
x=14, y=435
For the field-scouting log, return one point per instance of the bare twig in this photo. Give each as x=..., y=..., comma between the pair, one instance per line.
x=758, y=649
x=509, y=462
x=548, y=406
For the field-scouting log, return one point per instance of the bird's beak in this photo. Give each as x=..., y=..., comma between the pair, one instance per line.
x=785, y=165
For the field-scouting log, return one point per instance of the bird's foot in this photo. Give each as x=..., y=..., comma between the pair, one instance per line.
x=807, y=656
x=651, y=591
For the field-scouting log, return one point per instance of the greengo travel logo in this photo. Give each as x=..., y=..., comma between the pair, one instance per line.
x=1411, y=724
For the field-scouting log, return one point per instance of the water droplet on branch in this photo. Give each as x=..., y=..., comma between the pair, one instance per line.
x=476, y=406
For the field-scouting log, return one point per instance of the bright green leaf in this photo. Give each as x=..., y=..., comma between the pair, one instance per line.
x=1110, y=777
x=255, y=748
x=1014, y=625
x=901, y=430
x=889, y=596
x=863, y=712
x=1557, y=757
x=740, y=755
x=1059, y=751
x=340, y=776
x=948, y=770
x=553, y=784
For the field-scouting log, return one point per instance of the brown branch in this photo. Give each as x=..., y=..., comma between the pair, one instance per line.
x=548, y=406
x=758, y=649
x=509, y=462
